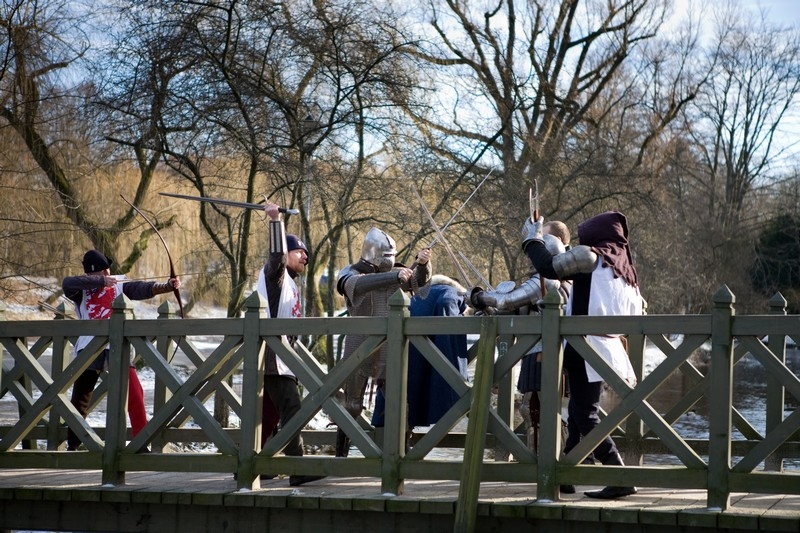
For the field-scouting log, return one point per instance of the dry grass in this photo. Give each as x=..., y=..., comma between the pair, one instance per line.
x=21, y=297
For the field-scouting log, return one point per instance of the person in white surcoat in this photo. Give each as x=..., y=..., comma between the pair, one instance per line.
x=604, y=283
x=288, y=256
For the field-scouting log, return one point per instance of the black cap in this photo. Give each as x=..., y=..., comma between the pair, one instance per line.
x=94, y=261
x=293, y=242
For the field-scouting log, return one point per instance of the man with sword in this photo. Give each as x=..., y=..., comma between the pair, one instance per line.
x=287, y=259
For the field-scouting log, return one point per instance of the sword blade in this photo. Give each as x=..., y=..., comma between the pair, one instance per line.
x=441, y=238
x=452, y=218
x=222, y=201
x=476, y=271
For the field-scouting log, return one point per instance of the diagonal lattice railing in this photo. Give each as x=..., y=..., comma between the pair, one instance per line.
x=181, y=410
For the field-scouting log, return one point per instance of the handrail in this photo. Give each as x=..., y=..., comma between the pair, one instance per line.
x=721, y=464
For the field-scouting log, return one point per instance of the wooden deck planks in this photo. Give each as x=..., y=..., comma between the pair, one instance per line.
x=654, y=507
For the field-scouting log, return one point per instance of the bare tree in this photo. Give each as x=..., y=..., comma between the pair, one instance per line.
x=257, y=96
x=571, y=94
x=721, y=169
x=51, y=114
x=737, y=118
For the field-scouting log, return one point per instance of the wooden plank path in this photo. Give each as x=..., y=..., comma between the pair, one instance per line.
x=155, y=501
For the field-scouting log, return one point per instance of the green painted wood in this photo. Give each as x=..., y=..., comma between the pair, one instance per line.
x=252, y=391
x=272, y=501
x=60, y=360
x=86, y=495
x=550, y=444
x=146, y=497
x=545, y=511
x=119, y=358
x=506, y=390
x=300, y=501
x=395, y=505
x=28, y=494
x=165, y=345
x=177, y=498
x=619, y=515
x=395, y=390
x=698, y=518
x=581, y=514
x=634, y=426
x=765, y=482
x=211, y=509
x=442, y=506
x=25, y=359
x=659, y=517
x=370, y=504
x=508, y=510
x=335, y=504
x=476, y=428
x=115, y=496
x=208, y=499
x=721, y=378
x=786, y=522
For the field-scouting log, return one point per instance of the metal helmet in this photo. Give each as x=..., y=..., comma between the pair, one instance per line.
x=379, y=250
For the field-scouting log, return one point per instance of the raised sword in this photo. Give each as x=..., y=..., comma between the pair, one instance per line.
x=232, y=203
x=441, y=238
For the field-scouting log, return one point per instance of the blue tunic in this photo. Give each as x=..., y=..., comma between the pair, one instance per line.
x=429, y=395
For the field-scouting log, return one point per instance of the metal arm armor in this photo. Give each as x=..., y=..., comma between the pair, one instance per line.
x=368, y=282
x=578, y=260
x=527, y=293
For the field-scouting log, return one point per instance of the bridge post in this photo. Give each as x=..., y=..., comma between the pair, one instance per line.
x=161, y=392
x=119, y=359
x=776, y=401
x=252, y=391
x=396, y=416
x=505, y=396
x=475, y=443
x=632, y=454
x=550, y=400
x=59, y=361
x=720, y=399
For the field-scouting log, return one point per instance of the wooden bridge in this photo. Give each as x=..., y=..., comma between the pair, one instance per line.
x=734, y=479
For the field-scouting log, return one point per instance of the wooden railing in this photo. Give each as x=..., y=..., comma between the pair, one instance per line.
x=721, y=464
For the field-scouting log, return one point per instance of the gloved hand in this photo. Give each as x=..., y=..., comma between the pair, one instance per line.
x=475, y=298
x=532, y=231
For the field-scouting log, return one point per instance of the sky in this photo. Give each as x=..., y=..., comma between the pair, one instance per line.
x=778, y=11
x=787, y=11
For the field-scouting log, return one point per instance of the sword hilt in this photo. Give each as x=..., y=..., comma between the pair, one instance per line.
x=415, y=263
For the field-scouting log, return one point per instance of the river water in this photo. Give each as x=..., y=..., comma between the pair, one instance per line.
x=749, y=398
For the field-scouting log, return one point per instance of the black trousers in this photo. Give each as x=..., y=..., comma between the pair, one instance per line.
x=82, y=394
x=584, y=405
x=285, y=396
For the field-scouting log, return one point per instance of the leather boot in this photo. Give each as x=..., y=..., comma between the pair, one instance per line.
x=342, y=444
x=612, y=493
x=81, y=397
